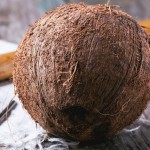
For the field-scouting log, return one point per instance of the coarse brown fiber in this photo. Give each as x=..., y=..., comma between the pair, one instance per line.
x=82, y=71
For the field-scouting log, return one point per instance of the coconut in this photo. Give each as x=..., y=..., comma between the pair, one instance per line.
x=82, y=71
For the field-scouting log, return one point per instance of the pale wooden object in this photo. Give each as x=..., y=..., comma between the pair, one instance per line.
x=7, y=53
x=6, y=65
x=146, y=24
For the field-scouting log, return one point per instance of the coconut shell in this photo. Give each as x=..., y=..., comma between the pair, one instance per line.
x=82, y=71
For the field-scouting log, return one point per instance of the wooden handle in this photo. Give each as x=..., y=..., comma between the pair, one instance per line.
x=146, y=25
x=6, y=65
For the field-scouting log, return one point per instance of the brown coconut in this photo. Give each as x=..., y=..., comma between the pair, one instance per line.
x=82, y=71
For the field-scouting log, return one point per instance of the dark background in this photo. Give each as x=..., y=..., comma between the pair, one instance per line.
x=17, y=15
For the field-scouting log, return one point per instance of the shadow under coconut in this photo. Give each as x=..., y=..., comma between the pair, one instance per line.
x=134, y=137
x=5, y=82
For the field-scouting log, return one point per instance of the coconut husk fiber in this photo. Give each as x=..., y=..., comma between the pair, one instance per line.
x=82, y=71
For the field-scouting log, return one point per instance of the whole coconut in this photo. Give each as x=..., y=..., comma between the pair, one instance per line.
x=82, y=71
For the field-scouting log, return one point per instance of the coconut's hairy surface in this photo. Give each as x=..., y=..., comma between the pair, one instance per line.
x=82, y=71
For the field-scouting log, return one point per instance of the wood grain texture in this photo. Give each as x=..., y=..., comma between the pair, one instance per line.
x=6, y=65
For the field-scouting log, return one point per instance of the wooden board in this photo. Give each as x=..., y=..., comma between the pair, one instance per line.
x=7, y=53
